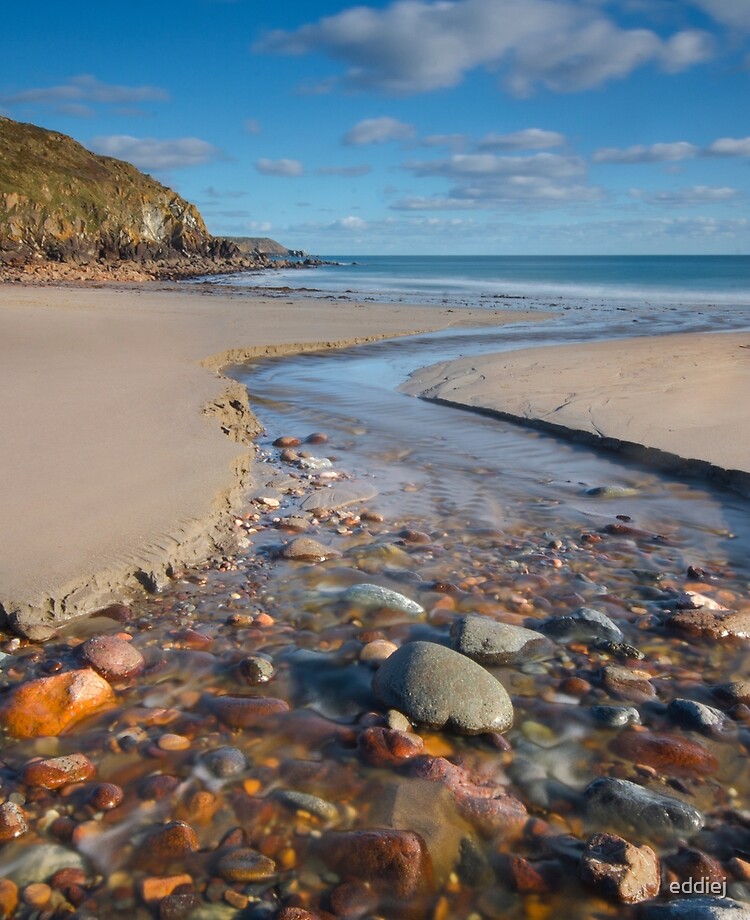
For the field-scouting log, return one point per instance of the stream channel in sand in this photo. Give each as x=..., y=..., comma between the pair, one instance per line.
x=478, y=516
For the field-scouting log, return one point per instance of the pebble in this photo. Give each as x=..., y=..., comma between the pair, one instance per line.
x=37, y=895
x=610, y=800
x=736, y=691
x=584, y=624
x=314, y=463
x=224, y=762
x=12, y=822
x=303, y=801
x=58, y=771
x=50, y=705
x=616, y=716
x=697, y=909
x=246, y=711
x=42, y=861
x=674, y=755
x=375, y=597
x=164, y=846
x=435, y=686
x=153, y=889
x=8, y=897
x=106, y=796
x=491, y=643
x=381, y=747
x=317, y=437
x=627, y=683
x=256, y=670
x=377, y=650
x=698, y=716
x=308, y=550
x=711, y=624
x=171, y=742
x=287, y=441
x=619, y=870
x=113, y=658
x=395, y=863
x=245, y=865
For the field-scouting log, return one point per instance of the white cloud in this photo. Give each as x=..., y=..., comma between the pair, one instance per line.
x=378, y=131
x=472, y=165
x=82, y=89
x=529, y=139
x=350, y=223
x=350, y=172
x=281, y=167
x=413, y=46
x=656, y=153
x=732, y=13
x=685, y=197
x=730, y=147
x=151, y=154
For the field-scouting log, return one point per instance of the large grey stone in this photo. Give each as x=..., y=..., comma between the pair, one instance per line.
x=439, y=688
x=627, y=804
x=489, y=642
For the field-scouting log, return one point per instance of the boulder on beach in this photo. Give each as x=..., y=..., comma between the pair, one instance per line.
x=491, y=643
x=437, y=687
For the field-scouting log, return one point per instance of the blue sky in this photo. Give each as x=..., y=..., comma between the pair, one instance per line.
x=415, y=126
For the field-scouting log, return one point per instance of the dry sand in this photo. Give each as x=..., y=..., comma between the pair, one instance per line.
x=678, y=401
x=108, y=462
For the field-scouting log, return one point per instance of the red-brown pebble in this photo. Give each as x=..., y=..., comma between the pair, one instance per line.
x=317, y=437
x=157, y=787
x=538, y=877
x=287, y=441
x=243, y=865
x=165, y=846
x=36, y=895
x=618, y=870
x=58, y=771
x=50, y=705
x=575, y=686
x=247, y=711
x=385, y=747
x=8, y=897
x=671, y=754
x=154, y=888
x=106, y=796
x=65, y=878
x=113, y=658
x=12, y=822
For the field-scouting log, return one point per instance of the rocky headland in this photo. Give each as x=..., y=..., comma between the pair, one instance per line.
x=67, y=214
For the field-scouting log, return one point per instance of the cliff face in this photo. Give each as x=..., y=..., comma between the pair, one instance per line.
x=62, y=203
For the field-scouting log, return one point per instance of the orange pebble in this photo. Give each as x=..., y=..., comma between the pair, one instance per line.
x=172, y=742
x=263, y=619
x=37, y=895
x=252, y=786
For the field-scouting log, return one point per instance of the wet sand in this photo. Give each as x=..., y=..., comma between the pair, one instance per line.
x=674, y=401
x=110, y=467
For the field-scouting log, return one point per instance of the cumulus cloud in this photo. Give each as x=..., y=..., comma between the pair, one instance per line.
x=685, y=197
x=732, y=13
x=350, y=172
x=378, y=131
x=656, y=153
x=413, y=46
x=350, y=223
x=72, y=96
x=281, y=167
x=487, y=181
x=529, y=139
x=151, y=154
x=730, y=147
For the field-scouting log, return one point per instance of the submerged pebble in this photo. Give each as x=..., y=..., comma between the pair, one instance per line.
x=375, y=597
x=626, y=804
x=491, y=643
x=584, y=623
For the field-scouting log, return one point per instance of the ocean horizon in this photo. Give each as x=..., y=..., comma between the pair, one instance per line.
x=475, y=280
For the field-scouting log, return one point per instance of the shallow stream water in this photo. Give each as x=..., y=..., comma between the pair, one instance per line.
x=467, y=515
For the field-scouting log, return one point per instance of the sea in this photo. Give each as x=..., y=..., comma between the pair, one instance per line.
x=484, y=280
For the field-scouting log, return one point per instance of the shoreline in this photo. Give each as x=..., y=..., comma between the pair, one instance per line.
x=106, y=392
x=668, y=401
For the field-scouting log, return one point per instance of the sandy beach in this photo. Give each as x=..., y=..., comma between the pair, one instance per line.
x=109, y=462
x=674, y=401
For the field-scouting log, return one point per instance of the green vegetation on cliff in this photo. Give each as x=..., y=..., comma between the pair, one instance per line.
x=60, y=202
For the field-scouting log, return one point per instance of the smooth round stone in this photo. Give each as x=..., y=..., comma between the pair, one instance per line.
x=244, y=865
x=674, y=755
x=736, y=691
x=616, y=716
x=225, y=762
x=171, y=742
x=256, y=670
x=697, y=716
x=377, y=650
x=618, y=801
x=585, y=624
x=437, y=687
x=113, y=658
x=12, y=822
x=491, y=643
x=106, y=796
x=375, y=597
x=306, y=549
x=58, y=771
x=303, y=801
